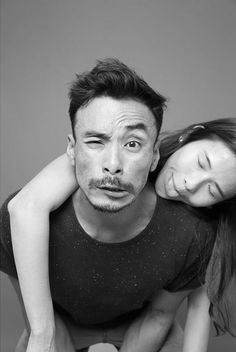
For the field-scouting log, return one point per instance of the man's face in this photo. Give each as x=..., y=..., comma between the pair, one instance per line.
x=114, y=151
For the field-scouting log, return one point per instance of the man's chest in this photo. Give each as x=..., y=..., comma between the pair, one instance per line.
x=86, y=274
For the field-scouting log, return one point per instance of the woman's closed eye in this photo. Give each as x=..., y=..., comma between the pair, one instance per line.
x=200, y=163
x=210, y=190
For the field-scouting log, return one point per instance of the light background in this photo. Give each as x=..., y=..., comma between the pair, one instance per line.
x=186, y=49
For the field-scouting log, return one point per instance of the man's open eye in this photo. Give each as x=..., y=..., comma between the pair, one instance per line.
x=133, y=145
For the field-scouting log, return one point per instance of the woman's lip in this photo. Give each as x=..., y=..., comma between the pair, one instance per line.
x=172, y=180
x=169, y=186
x=181, y=193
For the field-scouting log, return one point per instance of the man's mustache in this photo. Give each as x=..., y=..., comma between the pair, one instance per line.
x=111, y=181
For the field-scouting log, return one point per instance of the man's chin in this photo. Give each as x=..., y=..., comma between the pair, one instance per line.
x=110, y=208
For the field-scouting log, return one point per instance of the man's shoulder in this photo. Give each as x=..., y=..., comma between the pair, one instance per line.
x=64, y=217
x=182, y=219
x=180, y=211
x=174, y=210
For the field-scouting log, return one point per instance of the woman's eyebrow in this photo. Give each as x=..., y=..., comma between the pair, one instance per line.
x=208, y=159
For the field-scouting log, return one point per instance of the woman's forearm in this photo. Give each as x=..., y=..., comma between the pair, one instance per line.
x=29, y=218
x=149, y=331
x=29, y=231
x=197, y=327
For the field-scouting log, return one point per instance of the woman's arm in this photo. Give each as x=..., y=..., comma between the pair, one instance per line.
x=149, y=331
x=29, y=215
x=197, y=327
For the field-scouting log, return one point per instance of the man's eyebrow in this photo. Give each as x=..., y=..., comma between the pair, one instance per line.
x=93, y=133
x=137, y=126
x=96, y=134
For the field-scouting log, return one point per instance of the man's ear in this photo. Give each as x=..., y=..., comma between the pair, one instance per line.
x=71, y=148
x=156, y=155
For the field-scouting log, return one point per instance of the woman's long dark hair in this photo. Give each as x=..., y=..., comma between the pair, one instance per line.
x=221, y=272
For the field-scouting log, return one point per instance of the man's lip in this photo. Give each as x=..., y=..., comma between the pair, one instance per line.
x=112, y=189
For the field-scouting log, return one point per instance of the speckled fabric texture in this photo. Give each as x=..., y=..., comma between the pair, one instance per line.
x=104, y=284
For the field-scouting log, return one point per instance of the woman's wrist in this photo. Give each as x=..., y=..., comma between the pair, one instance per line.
x=44, y=341
x=44, y=335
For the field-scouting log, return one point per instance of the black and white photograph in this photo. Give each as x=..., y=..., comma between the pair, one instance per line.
x=117, y=175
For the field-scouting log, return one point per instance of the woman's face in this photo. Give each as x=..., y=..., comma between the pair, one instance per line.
x=201, y=173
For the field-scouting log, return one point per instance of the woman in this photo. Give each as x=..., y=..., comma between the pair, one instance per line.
x=197, y=167
x=179, y=161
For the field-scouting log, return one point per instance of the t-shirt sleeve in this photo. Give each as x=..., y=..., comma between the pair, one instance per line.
x=7, y=263
x=192, y=274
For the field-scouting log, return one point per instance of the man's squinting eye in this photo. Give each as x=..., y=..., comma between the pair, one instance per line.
x=94, y=143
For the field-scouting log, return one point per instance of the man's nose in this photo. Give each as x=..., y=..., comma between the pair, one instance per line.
x=113, y=162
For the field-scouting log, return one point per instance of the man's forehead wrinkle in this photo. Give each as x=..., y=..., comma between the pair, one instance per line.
x=132, y=111
x=103, y=118
x=142, y=120
x=120, y=121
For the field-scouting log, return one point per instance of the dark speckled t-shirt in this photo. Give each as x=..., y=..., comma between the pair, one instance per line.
x=98, y=283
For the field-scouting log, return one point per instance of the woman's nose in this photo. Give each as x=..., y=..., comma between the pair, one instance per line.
x=195, y=181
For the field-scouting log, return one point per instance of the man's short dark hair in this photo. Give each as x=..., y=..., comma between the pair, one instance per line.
x=112, y=78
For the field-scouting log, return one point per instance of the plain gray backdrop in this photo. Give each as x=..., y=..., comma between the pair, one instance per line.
x=186, y=49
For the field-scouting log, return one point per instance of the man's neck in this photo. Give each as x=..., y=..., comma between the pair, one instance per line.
x=115, y=227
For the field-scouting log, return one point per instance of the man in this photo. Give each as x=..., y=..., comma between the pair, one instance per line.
x=120, y=260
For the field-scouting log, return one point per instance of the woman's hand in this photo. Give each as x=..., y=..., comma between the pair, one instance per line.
x=41, y=343
x=59, y=341
x=36, y=343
